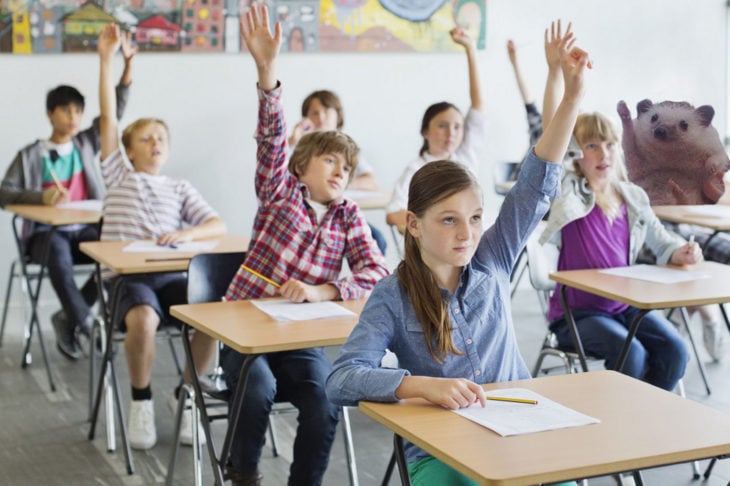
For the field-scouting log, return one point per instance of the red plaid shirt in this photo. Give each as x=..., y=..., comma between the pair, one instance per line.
x=287, y=243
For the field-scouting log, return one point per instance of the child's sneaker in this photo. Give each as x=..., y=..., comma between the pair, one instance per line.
x=142, y=431
x=65, y=336
x=715, y=339
x=186, y=422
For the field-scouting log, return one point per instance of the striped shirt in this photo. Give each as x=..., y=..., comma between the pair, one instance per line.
x=287, y=241
x=140, y=206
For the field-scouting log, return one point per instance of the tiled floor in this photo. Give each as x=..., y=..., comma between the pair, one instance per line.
x=43, y=434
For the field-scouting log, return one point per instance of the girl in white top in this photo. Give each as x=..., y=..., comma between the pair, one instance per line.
x=446, y=135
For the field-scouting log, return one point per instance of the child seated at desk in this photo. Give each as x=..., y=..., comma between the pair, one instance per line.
x=143, y=204
x=59, y=170
x=302, y=232
x=446, y=313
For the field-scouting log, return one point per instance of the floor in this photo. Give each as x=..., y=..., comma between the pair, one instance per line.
x=44, y=434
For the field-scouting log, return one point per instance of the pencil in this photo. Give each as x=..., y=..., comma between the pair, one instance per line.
x=509, y=399
x=257, y=274
x=55, y=179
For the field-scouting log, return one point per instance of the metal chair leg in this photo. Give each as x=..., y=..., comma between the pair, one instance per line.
x=8, y=292
x=349, y=447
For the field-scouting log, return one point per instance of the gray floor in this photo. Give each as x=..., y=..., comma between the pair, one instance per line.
x=43, y=434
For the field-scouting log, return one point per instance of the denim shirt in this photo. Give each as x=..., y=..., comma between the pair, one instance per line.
x=479, y=311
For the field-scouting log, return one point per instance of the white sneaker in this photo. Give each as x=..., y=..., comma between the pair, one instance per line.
x=186, y=422
x=715, y=340
x=142, y=431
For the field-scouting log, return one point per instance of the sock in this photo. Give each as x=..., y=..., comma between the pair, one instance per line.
x=142, y=393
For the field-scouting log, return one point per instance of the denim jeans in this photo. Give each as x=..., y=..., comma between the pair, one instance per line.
x=63, y=254
x=294, y=376
x=657, y=353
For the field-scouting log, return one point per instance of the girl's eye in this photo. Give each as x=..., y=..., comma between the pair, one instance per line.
x=449, y=220
x=476, y=218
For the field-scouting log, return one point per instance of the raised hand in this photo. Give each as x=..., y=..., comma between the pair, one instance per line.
x=109, y=40
x=462, y=37
x=511, y=51
x=555, y=41
x=129, y=50
x=574, y=62
x=263, y=46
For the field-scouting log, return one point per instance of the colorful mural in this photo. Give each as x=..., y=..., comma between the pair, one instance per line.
x=57, y=26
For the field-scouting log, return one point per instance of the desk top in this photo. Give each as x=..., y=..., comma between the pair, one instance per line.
x=368, y=199
x=650, y=295
x=242, y=326
x=53, y=216
x=665, y=429
x=680, y=214
x=110, y=254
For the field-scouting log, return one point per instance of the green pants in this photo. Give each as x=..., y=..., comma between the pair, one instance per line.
x=429, y=471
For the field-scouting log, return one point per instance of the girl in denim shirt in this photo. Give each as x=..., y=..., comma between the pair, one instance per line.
x=446, y=311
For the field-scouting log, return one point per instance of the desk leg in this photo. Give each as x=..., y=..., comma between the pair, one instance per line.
x=400, y=459
x=33, y=295
x=630, y=337
x=724, y=316
x=685, y=318
x=577, y=344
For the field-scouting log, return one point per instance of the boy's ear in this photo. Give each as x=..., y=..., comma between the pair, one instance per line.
x=413, y=225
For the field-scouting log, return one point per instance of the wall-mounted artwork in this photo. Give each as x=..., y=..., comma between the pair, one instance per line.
x=57, y=26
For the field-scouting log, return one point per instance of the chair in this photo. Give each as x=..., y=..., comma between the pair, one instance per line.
x=208, y=278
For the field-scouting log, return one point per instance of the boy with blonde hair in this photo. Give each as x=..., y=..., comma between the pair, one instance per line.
x=143, y=204
x=303, y=231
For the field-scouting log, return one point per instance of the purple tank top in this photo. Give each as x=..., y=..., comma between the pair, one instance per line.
x=592, y=242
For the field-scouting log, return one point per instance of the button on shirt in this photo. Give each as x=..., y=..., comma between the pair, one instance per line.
x=479, y=311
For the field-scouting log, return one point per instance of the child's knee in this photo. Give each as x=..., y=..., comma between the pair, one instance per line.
x=141, y=320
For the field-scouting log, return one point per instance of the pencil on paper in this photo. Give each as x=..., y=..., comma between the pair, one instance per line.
x=56, y=179
x=257, y=274
x=509, y=399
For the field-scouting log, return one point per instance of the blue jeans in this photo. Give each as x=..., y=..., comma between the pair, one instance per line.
x=379, y=238
x=657, y=353
x=63, y=254
x=294, y=376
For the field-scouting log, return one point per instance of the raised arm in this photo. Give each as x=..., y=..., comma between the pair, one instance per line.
x=109, y=41
x=555, y=40
x=461, y=37
x=128, y=52
x=554, y=141
x=524, y=92
x=262, y=45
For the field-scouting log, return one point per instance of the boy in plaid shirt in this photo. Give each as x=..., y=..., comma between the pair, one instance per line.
x=303, y=230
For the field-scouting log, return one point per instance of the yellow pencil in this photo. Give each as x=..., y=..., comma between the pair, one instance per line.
x=257, y=274
x=56, y=180
x=508, y=399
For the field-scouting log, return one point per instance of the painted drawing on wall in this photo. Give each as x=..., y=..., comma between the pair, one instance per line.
x=57, y=26
x=673, y=152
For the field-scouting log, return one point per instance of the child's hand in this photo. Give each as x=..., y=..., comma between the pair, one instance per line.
x=175, y=237
x=454, y=393
x=54, y=195
x=304, y=126
x=574, y=63
x=461, y=37
x=263, y=46
x=511, y=51
x=556, y=42
x=298, y=291
x=129, y=50
x=688, y=254
x=109, y=40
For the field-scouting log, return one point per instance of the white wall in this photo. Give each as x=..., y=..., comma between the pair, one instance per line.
x=641, y=49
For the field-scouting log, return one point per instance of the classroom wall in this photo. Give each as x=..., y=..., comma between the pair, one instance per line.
x=641, y=49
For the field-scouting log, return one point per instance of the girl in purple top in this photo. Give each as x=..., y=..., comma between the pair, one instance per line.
x=601, y=221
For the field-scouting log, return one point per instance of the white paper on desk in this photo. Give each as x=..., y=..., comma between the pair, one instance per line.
x=656, y=274
x=709, y=210
x=509, y=418
x=291, y=311
x=150, y=246
x=85, y=205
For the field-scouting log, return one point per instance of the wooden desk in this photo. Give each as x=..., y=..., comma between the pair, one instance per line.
x=683, y=214
x=53, y=217
x=242, y=326
x=368, y=199
x=111, y=255
x=665, y=429
x=645, y=295
x=503, y=187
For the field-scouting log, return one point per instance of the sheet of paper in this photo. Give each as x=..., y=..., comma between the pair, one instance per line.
x=149, y=246
x=86, y=205
x=509, y=418
x=282, y=310
x=709, y=210
x=656, y=274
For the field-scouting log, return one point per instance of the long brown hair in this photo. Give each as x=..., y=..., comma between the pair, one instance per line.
x=431, y=184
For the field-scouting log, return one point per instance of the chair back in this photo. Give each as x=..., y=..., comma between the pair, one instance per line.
x=541, y=261
x=209, y=275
